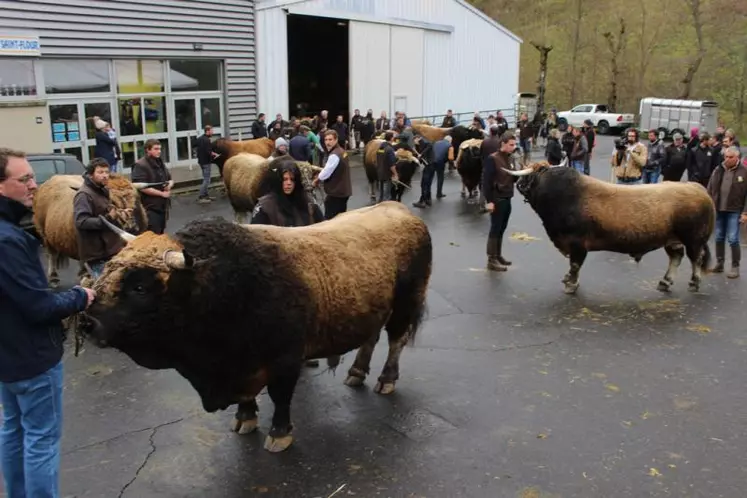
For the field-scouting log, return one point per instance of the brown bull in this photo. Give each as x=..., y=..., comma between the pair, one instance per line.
x=227, y=148
x=370, y=166
x=234, y=308
x=55, y=223
x=583, y=214
x=244, y=177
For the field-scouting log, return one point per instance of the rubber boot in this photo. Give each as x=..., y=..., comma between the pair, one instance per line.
x=720, y=257
x=736, y=255
x=500, y=258
x=493, y=263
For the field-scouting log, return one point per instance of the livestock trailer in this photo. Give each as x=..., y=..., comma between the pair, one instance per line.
x=670, y=116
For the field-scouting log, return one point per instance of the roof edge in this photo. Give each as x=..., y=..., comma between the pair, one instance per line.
x=488, y=19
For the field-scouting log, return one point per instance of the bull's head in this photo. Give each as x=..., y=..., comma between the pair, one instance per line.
x=130, y=292
x=126, y=209
x=529, y=177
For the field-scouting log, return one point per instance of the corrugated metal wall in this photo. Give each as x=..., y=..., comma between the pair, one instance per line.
x=473, y=68
x=369, y=72
x=149, y=29
x=272, y=62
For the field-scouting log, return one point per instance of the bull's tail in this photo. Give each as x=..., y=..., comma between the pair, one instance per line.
x=705, y=258
x=409, y=307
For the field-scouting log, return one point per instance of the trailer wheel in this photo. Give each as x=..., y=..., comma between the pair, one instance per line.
x=603, y=127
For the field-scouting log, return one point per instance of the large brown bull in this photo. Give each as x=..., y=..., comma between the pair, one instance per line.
x=55, y=223
x=234, y=308
x=227, y=148
x=244, y=176
x=582, y=214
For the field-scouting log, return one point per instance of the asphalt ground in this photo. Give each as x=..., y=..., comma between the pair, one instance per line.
x=512, y=389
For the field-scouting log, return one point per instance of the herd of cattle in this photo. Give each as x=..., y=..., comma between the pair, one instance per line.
x=235, y=308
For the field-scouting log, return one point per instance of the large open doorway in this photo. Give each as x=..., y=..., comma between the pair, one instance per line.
x=318, y=66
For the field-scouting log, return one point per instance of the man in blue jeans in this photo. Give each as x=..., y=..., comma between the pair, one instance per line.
x=31, y=339
x=657, y=157
x=728, y=189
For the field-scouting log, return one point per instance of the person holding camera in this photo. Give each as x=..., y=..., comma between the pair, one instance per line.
x=629, y=158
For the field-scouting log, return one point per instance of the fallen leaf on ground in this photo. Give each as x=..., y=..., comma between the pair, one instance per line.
x=523, y=236
x=700, y=329
x=613, y=388
x=654, y=473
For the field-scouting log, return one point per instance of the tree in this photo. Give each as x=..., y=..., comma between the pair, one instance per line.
x=541, y=82
x=616, y=47
x=575, y=49
x=694, y=65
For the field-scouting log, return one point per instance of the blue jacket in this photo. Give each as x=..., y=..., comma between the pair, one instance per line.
x=31, y=333
x=441, y=151
x=299, y=148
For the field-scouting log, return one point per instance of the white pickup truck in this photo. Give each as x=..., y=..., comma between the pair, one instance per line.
x=603, y=120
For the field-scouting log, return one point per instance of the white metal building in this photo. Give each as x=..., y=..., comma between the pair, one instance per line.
x=417, y=56
x=152, y=68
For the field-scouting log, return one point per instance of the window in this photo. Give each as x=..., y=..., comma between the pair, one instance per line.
x=191, y=75
x=210, y=112
x=76, y=76
x=17, y=78
x=44, y=169
x=136, y=76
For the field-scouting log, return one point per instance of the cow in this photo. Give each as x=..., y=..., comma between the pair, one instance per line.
x=583, y=214
x=458, y=133
x=244, y=177
x=406, y=166
x=234, y=308
x=227, y=148
x=469, y=167
x=370, y=166
x=54, y=219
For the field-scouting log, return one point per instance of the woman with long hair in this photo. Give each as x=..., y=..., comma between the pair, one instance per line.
x=286, y=203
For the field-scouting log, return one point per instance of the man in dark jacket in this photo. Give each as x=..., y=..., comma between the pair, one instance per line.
x=498, y=189
x=342, y=131
x=259, y=127
x=676, y=160
x=449, y=121
x=591, y=138
x=156, y=200
x=440, y=158
x=728, y=189
x=96, y=242
x=657, y=156
x=300, y=146
x=700, y=165
x=385, y=166
x=31, y=338
x=205, y=156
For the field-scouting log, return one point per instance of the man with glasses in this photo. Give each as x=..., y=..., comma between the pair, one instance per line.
x=31, y=338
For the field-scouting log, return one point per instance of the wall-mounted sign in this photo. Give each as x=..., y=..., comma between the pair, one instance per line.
x=23, y=45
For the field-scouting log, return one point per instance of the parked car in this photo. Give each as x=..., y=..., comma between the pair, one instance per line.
x=45, y=166
x=604, y=121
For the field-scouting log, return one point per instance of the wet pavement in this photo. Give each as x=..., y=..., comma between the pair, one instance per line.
x=513, y=389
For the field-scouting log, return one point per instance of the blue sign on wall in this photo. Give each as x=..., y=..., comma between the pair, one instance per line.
x=24, y=45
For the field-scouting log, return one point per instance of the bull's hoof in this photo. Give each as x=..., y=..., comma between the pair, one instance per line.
x=570, y=287
x=663, y=286
x=353, y=381
x=566, y=278
x=384, y=387
x=463, y=194
x=278, y=444
x=693, y=286
x=244, y=426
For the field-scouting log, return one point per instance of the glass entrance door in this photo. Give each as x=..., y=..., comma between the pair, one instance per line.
x=191, y=113
x=66, y=121
x=72, y=126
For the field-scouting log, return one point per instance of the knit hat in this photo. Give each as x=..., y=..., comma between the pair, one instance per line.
x=677, y=136
x=99, y=124
x=280, y=142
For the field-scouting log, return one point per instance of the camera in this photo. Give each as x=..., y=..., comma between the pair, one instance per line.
x=620, y=143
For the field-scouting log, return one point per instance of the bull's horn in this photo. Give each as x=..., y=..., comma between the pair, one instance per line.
x=142, y=185
x=127, y=237
x=523, y=172
x=174, y=259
